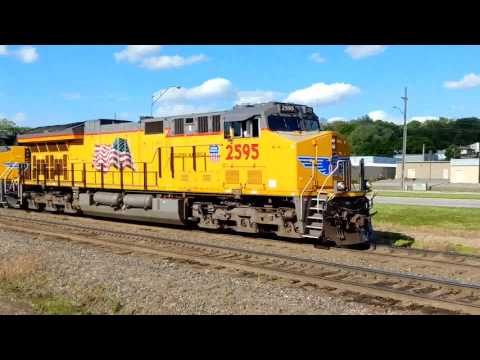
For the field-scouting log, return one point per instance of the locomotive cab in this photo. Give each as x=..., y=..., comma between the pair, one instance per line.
x=330, y=207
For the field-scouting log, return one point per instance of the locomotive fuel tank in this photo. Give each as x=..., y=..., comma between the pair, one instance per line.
x=107, y=198
x=138, y=201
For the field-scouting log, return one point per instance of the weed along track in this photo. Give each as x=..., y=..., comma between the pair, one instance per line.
x=422, y=290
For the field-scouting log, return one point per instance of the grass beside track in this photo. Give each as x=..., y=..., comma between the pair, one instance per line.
x=428, y=227
x=424, y=194
x=417, y=216
x=20, y=279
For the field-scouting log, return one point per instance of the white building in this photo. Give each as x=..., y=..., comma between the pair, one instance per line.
x=376, y=167
x=465, y=171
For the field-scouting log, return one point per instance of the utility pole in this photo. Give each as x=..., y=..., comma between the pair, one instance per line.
x=405, y=100
x=404, y=150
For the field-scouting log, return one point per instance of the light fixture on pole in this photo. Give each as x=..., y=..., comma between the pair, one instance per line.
x=404, y=148
x=156, y=98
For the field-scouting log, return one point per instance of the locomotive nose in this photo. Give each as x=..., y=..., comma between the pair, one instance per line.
x=328, y=154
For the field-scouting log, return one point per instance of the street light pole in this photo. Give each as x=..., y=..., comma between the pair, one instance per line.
x=156, y=99
x=404, y=147
x=405, y=100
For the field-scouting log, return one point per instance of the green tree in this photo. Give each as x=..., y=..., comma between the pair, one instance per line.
x=452, y=152
x=7, y=126
x=8, y=131
x=369, y=137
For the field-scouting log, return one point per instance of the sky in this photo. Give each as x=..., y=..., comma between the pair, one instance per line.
x=47, y=85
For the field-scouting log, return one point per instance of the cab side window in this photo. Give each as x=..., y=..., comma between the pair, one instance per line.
x=241, y=129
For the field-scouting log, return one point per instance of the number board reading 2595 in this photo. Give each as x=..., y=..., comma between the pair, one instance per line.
x=245, y=151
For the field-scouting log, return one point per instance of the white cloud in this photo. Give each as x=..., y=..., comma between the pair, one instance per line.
x=72, y=96
x=210, y=89
x=384, y=116
x=27, y=54
x=134, y=53
x=363, y=51
x=423, y=118
x=143, y=55
x=468, y=81
x=316, y=57
x=322, y=94
x=336, y=118
x=381, y=115
x=256, y=96
x=200, y=98
x=183, y=109
x=167, y=62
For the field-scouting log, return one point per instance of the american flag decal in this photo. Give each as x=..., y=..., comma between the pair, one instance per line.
x=116, y=155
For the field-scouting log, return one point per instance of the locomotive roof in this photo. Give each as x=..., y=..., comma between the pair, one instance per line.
x=71, y=128
x=51, y=129
x=238, y=113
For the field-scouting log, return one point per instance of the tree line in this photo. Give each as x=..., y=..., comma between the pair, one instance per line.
x=8, y=131
x=381, y=138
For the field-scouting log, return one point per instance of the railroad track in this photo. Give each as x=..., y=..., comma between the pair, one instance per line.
x=466, y=261
x=423, y=255
x=427, y=291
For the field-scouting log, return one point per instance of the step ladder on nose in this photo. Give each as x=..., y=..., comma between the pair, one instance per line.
x=7, y=185
x=314, y=218
x=3, y=186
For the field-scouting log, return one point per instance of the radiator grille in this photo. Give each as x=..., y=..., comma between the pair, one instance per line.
x=232, y=177
x=254, y=177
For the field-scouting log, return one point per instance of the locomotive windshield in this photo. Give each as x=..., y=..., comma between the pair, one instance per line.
x=292, y=123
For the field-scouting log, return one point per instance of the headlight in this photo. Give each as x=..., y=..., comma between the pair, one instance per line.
x=341, y=186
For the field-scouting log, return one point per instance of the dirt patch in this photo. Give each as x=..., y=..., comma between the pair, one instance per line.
x=18, y=267
x=10, y=306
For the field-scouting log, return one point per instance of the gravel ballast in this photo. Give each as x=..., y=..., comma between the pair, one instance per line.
x=268, y=245
x=104, y=282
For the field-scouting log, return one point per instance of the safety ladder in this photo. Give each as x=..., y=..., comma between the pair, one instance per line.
x=8, y=185
x=4, y=186
x=314, y=217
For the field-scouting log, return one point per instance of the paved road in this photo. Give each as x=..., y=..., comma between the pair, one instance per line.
x=465, y=203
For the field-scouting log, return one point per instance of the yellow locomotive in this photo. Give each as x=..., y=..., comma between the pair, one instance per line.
x=253, y=169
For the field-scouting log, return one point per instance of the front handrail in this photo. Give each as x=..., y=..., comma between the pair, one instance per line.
x=314, y=167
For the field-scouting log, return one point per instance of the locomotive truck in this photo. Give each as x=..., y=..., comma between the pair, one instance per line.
x=263, y=168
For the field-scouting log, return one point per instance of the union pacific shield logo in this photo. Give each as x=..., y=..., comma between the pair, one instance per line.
x=324, y=165
x=214, y=151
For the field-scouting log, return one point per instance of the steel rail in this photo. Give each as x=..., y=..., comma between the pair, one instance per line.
x=259, y=253
x=420, y=255
x=433, y=252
